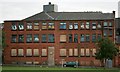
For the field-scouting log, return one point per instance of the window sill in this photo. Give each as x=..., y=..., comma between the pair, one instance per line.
x=43, y=56
x=62, y=42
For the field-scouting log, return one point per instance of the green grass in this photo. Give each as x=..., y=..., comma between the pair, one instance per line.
x=54, y=69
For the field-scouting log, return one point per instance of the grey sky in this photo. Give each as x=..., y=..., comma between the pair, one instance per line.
x=20, y=9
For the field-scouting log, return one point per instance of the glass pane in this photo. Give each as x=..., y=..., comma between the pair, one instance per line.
x=29, y=25
x=62, y=38
x=94, y=37
x=70, y=38
x=44, y=25
x=44, y=52
x=44, y=38
x=75, y=25
x=62, y=25
x=82, y=39
x=93, y=25
x=21, y=38
x=14, y=27
x=21, y=26
x=82, y=25
x=70, y=26
x=105, y=24
x=29, y=38
x=51, y=38
x=105, y=32
x=14, y=38
x=36, y=38
x=87, y=25
x=62, y=52
x=76, y=38
x=87, y=37
x=51, y=26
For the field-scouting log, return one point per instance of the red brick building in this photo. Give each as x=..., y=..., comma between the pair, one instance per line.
x=51, y=37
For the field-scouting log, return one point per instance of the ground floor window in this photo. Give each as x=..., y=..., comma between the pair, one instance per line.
x=13, y=52
x=35, y=52
x=70, y=52
x=29, y=52
x=82, y=52
x=20, y=52
x=75, y=52
x=62, y=52
x=44, y=52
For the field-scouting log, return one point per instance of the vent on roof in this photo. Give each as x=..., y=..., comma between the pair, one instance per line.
x=50, y=8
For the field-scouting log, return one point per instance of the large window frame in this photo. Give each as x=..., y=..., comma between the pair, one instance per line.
x=51, y=38
x=75, y=38
x=14, y=38
x=36, y=26
x=51, y=26
x=63, y=38
x=29, y=26
x=21, y=26
x=70, y=36
x=21, y=38
x=44, y=38
x=63, y=26
x=14, y=26
x=29, y=38
x=82, y=38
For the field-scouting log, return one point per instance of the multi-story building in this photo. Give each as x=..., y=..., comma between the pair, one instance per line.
x=51, y=37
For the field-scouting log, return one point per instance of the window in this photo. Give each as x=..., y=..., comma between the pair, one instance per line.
x=44, y=25
x=75, y=52
x=62, y=52
x=62, y=25
x=14, y=39
x=82, y=52
x=35, y=52
x=105, y=24
x=36, y=26
x=70, y=26
x=51, y=26
x=76, y=38
x=75, y=26
x=105, y=32
x=87, y=25
x=99, y=36
x=62, y=38
x=29, y=38
x=36, y=38
x=44, y=52
x=14, y=27
x=29, y=26
x=70, y=38
x=21, y=26
x=44, y=38
x=93, y=37
x=13, y=52
x=93, y=25
x=82, y=39
x=20, y=52
x=29, y=52
x=110, y=24
x=110, y=32
x=87, y=52
x=93, y=52
x=87, y=37
x=70, y=52
x=82, y=25
x=99, y=25
x=51, y=38
x=21, y=38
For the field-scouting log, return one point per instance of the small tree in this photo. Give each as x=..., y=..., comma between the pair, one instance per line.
x=106, y=50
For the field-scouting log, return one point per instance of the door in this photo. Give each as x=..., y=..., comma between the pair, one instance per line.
x=51, y=56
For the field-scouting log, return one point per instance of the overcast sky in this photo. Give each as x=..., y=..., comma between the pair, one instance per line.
x=20, y=9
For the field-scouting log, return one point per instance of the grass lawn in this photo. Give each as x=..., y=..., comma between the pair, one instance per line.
x=54, y=69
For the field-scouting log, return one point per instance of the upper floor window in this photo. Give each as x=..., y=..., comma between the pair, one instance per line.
x=87, y=37
x=51, y=25
x=44, y=25
x=70, y=26
x=110, y=24
x=29, y=52
x=62, y=25
x=82, y=25
x=29, y=26
x=94, y=25
x=21, y=38
x=29, y=38
x=99, y=36
x=75, y=26
x=105, y=24
x=63, y=38
x=87, y=25
x=105, y=32
x=14, y=27
x=14, y=39
x=36, y=26
x=21, y=26
x=51, y=38
x=82, y=39
x=36, y=38
x=93, y=37
x=44, y=38
x=99, y=25
x=110, y=32
x=44, y=52
x=35, y=52
x=76, y=38
x=70, y=38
